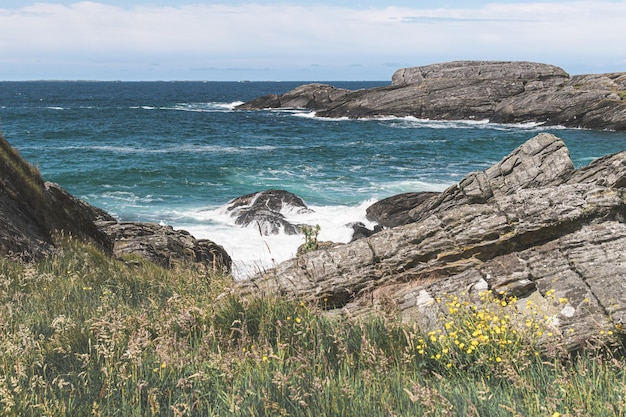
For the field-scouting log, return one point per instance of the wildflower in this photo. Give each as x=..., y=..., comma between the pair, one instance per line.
x=163, y=365
x=563, y=300
x=498, y=359
x=264, y=358
x=298, y=320
x=556, y=414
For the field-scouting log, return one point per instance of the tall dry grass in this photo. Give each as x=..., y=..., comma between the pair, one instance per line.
x=85, y=335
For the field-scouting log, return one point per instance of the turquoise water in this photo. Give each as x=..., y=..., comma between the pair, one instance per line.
x=176, y=152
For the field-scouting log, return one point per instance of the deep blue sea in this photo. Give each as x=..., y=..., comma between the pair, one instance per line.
x=177, y=152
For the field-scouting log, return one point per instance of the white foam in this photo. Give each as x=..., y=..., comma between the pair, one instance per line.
x=251, y=252
x=196, y=107
x=412, y=122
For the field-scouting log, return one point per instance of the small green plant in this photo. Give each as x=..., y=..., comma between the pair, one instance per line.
x=310, y=238
x=622, y=94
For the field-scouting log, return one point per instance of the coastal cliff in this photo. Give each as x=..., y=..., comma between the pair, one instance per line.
x=501, y=92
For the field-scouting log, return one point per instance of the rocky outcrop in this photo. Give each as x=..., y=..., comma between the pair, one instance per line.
x=33, y=213
x=265, y=210
x=531, y=226
x=502, y=92
x=164, y=246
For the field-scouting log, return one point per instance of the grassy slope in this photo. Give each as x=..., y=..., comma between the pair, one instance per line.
x=82, y=334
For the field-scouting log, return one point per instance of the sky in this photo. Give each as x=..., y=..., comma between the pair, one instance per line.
x=323, y=40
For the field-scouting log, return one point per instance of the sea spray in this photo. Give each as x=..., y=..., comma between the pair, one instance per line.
x=253, y=252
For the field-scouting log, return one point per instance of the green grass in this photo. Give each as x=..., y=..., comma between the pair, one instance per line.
x=82, y=334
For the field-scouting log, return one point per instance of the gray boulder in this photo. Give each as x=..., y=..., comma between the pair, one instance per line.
x=394, y=211
x=531, y=226
x=164, y=246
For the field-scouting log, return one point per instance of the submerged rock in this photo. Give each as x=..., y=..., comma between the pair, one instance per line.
x=530, y=226
x=498, y=91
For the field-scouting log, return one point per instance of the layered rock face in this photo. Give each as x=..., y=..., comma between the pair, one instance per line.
x=33, y=212
x=529, y=227
x=502, y=92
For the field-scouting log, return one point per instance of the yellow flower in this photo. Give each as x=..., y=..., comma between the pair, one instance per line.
x=498, y=359
x=298, y=320
x=556, y=414
x=264, y=358
x=163, y=365
x=563, y=300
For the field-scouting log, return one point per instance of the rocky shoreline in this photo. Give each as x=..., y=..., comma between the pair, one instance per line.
x=500, y=92
x=530, y=227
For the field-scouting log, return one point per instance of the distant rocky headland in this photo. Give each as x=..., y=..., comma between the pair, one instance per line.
x=501, y=92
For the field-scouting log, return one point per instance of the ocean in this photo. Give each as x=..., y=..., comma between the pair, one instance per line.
x=175, y=153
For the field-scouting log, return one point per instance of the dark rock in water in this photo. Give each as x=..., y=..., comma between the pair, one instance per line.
x=531, y=226
x=498, y=91
x=264, y=209
x=311, y=96
x=34, y=212
x=394, y=211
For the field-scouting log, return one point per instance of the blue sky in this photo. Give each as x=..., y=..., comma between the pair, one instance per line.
x=295, y=40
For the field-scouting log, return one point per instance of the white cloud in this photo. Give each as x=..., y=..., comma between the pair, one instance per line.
x=260, y=36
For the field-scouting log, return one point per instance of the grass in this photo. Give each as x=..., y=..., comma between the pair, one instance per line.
x=15, y=170
x=82, y=334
